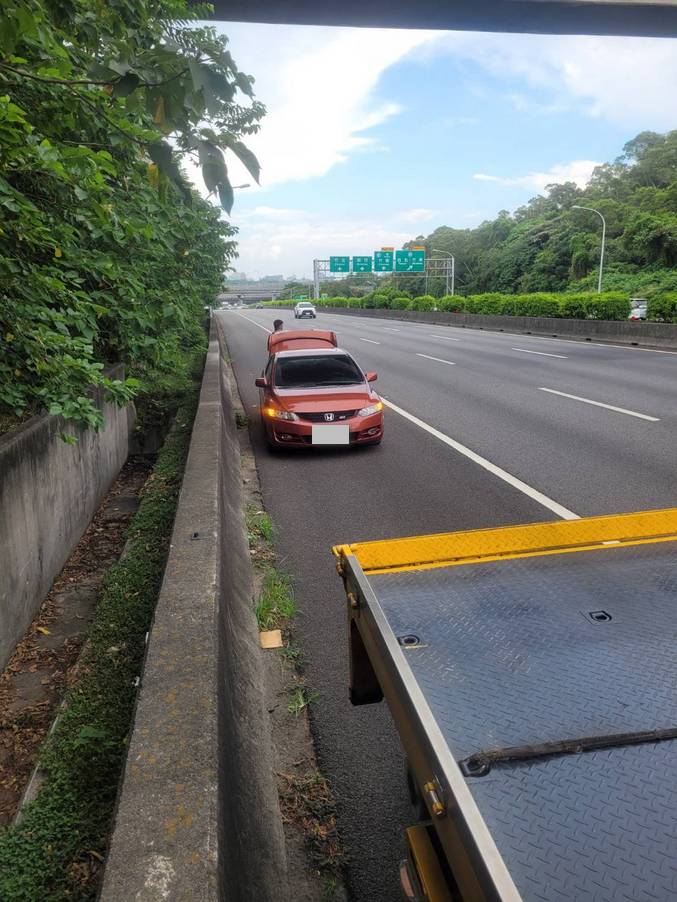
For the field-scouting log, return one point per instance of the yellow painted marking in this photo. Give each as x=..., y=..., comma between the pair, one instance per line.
x=560, y=536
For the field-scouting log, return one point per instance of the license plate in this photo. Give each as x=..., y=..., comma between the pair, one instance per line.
x=331, y=435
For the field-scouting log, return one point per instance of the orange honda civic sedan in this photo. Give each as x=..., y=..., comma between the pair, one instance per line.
x=313, y=393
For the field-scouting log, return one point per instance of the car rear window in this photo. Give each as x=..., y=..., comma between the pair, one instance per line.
x=322, y=370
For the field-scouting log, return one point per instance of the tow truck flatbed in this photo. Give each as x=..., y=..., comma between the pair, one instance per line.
x=531, y=672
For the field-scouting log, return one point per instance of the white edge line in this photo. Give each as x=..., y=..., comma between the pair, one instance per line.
x=269, y=331
x=630, y=413
x=588, y=344
x=443, y=337
x=438, y=359
x=370, y=340
x=516, y=483
x=540, y=353
x=571, y=341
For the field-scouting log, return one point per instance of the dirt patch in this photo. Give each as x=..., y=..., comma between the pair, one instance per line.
x=307, y=805
x=42, y=667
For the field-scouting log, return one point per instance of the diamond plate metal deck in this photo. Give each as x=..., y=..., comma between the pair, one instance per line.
x=510, y=655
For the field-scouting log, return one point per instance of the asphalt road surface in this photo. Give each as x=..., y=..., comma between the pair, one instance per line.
x=482, y=429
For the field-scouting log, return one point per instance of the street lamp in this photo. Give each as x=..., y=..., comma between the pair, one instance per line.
x=453, y=268
x=601, y=256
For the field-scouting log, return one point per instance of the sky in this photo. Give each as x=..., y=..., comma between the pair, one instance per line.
x=375, y=136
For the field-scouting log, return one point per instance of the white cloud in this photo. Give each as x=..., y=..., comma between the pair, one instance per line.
x=578, y=171
x=417, y=214
x=290, y=241
x=319, y=87
x=626, y=81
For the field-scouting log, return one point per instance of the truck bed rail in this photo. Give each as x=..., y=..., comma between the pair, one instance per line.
x=531, y=674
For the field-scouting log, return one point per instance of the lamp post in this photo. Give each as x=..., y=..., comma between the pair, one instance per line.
x=453, y=268
x=601, y=256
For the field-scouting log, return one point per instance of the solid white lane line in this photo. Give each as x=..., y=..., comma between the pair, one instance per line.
x=630, y=413
x=371, y=341
x=443, y=337
x=516, y=483
x=269, y=331
x=540, y=353
x=438, y=359
x=594, y=344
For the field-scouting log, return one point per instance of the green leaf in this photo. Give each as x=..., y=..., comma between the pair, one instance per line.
x=226, y=196
x=127, y=84
x=244, y=83
x=246, y=157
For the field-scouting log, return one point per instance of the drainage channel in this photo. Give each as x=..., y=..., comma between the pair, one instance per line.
x=44, y=663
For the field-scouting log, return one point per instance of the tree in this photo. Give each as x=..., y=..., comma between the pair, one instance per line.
x=106, y=253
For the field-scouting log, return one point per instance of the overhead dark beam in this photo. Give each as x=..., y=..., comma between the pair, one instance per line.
x=641, y=18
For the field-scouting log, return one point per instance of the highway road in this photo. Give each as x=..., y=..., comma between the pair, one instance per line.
x=482, y=429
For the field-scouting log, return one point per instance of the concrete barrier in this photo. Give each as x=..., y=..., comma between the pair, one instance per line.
x=656, y=335
x=49, y=491
x=198, y=814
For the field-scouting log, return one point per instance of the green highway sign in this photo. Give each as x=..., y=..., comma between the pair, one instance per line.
x=409, y=261
x=383, y=261
x=361, y=264
x=339, y=264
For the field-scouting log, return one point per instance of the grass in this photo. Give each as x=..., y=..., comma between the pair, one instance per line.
x=57, y=851
x=276, y=602
x=241, y=419
x=259, y=525
x=300, y=699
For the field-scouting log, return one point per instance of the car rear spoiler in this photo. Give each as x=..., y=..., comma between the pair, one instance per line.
x=293, y=340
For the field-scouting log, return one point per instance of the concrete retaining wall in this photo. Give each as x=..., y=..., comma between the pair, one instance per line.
x=657, y=335
x=49, y=491
x=198, y=814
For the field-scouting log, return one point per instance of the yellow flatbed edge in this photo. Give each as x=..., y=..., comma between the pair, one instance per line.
x=527, y=540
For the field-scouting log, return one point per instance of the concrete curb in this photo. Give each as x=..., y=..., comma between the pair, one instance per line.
x=198, y=814
x=650, y=335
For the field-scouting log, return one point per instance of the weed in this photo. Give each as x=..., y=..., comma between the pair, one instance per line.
x=241, y=419
x=294, y=656
x=259, y=525
x=306, y=800
x=300, y=699
x=276, y=602
x=56, y=852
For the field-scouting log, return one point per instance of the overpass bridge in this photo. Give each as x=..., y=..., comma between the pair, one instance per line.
x=248, y=292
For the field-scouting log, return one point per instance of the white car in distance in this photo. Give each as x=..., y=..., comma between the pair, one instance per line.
x=304, y=310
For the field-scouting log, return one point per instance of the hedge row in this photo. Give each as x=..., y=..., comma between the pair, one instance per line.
x=610, y=305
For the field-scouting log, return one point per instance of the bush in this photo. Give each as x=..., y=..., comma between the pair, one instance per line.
x=337, y=302
x=355, y=303
x=401, y=303
x=610, y=305
x=451, y=303
x=424, y=302
x=537, y=304
x=663, y=308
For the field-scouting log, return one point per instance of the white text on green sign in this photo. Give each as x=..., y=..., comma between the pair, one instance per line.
x=361, y=264
x=339, y=264
x=383, y=261
x=409, y=261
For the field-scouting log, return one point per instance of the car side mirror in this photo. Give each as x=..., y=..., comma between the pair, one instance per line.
x=371, y=377
x=261, y=382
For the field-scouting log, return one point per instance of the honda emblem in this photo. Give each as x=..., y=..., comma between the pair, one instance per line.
x=329, y=417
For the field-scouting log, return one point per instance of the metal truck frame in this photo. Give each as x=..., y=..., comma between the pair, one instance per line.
x=531, y=673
